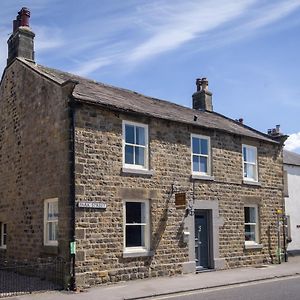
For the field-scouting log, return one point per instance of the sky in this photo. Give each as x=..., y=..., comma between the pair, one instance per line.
x=248, y=49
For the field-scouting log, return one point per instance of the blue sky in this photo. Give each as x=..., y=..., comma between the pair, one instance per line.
x=248, y=49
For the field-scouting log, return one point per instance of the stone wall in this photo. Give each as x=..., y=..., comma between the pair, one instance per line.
x=34, y=161
x=99, y=177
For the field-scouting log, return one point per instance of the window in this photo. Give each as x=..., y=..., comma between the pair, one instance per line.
x=50, y=222
x=3, y=235
x=250, y=163
x=200, y=155
x=251, y=225
x=136, y=229
x=135, y=145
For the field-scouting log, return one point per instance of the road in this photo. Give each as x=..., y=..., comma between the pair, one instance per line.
x=276, y=289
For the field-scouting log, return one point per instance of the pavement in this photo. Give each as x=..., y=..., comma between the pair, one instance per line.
x=146, y=288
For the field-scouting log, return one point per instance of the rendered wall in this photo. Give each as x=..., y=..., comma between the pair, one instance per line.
x=292, y=205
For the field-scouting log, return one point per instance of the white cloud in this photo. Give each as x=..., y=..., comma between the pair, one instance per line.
x=293, y=142
x=182, y=23
x=48, y=38
x=272, y=13
x=163, y=26
x=90, y=66
x=132, y=32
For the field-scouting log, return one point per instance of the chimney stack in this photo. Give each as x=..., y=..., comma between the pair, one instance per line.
x=20, y=43
x=202, y=98
x=275, y=131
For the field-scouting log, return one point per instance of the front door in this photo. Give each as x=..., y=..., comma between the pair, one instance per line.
x=202, y=245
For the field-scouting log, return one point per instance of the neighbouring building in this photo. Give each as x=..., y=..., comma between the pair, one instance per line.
x=143, y=187
x=291, y=163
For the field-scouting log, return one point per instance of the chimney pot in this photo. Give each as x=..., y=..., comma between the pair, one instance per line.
x=24, y=16
x=204, y=84
x=198, y=84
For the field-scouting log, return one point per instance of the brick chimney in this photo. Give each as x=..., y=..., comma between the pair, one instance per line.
x=20, y=43
x=202, y=99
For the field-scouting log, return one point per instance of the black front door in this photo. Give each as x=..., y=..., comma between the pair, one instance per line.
x=202, y=245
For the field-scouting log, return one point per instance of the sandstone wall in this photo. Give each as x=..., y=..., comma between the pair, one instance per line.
x=34, y=161
x=99, y=178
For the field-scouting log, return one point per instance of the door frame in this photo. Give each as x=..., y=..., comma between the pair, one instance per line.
x=217, y=221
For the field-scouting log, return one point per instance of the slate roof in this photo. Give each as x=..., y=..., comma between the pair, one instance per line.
x=129, y=101
x=291, y=158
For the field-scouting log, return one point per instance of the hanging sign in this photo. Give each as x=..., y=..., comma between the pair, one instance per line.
x=92, y=204
x=180, y=200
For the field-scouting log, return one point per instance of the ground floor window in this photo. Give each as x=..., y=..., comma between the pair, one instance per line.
x=50, y=222
x=251, y=224
x=136, y=229
x=3, y=235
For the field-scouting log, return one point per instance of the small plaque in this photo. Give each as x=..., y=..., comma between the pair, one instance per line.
x=180, y=200
x=92, y=204
x=73, y=247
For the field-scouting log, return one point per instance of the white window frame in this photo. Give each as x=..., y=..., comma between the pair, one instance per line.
x=208, y=156
x=146, y=147
x=256, y=224
x=137, y=250
x=47, y=242
x=2, y=234
x=255, y=179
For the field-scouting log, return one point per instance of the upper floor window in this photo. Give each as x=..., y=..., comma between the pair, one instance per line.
x=50, y=222
x=251, y=224
x=135, y=145
x=200, y=154
x=3, y=235
x=250, y=163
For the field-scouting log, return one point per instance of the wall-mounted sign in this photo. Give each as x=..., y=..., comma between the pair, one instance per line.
x=92, y=204
x=73, y=247
x=180, y=200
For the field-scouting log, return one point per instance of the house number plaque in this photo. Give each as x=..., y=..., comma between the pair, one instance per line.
x=92, y=204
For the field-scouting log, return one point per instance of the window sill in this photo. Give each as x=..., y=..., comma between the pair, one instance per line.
x=2, y=248
x=50, y=249
x=253, y=246
x=127, y=254
x=128, y=171
x=250, y=182
x=203, y=177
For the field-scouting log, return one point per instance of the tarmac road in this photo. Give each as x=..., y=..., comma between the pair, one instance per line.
x=275, y=289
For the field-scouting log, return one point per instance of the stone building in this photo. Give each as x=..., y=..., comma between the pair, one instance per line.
x=291, y=165
x=143, y=187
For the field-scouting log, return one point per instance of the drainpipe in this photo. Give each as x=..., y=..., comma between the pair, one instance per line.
x=72, y=194
x=69, y=85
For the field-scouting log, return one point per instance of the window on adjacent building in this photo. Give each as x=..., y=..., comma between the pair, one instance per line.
x=135, y=145
x=136, y=231
x=50, y=222
x=250, y=163
x=251, y=224
x=200, y=155
x=3, y=235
